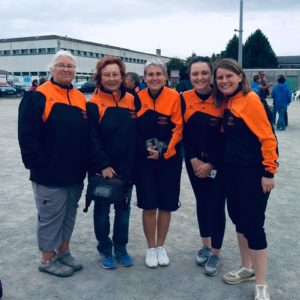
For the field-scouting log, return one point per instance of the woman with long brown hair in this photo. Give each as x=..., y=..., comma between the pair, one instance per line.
x=250, y=165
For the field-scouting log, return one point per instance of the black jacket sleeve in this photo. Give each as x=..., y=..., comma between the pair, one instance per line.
x=30, y=131
x=189, y=153
x=99, y=160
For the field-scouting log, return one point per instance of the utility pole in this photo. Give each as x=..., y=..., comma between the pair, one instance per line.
x=240, y=31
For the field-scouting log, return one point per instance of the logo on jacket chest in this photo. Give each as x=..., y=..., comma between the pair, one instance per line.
x=132, y=114
x=214, y=122
x=230, y=121
x=162, y=120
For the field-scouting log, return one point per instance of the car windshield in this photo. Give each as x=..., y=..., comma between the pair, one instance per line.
x=79, y=84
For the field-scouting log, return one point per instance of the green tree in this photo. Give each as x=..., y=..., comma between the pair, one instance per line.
x=258, y=52
x=215, y=57
x=175, y=63
x=190, y=57
x=232, y=48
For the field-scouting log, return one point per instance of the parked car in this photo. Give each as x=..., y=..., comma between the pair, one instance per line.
x=21, y=88
x=7, y=90
x=85, y=86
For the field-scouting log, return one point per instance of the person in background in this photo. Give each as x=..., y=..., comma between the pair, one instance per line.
x=42, y=80
x=112, y=126
x=250, y=164
x=142, y=84
x=282, y=97
x=159, y=163
x=34, y=85
x=264, y=85
x=53, y=138
x=255, y=85
x=132, y=82
x=203, y=144
x=185, y=83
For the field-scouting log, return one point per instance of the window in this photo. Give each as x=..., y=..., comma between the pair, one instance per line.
x=6, y=52
x=33, y=51
x=16, y=52
x=24, y=51
x=51, y=50
x=42, y=50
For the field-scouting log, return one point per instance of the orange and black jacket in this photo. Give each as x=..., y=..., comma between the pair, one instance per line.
x=160, y=118
x=250, y=139
x=202, y=135
x=53, y=134
x=112, y=127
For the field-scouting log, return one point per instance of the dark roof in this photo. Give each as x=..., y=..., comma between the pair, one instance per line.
x=66, y=38
x=3, y=72
x=289, y=59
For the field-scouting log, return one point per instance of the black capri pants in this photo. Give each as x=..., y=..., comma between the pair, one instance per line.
x=246, y=203
x=210, y=203
x=158, y=183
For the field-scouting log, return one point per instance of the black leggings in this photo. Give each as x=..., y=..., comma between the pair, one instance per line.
x=210, y=200
x=247, y=203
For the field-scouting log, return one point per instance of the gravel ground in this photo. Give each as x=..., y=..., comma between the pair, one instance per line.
x=183, y=279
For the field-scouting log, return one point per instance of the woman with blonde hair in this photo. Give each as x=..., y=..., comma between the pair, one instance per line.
x=159, y=165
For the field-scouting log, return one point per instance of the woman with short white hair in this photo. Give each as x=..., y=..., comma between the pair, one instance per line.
x=53, y=138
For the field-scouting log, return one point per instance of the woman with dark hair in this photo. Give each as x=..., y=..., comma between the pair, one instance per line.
x=282, y=97
x=112, y=125
x=250, y=165
x=159, y=161
x=34, y=85
x=203, y=155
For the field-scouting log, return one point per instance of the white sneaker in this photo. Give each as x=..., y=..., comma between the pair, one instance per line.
x=162, y=256
x=151, y=258
x=261, y=292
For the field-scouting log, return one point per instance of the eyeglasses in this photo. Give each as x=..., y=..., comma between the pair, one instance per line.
x=62, y=67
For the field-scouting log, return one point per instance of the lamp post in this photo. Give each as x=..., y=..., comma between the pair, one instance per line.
x=240, y=31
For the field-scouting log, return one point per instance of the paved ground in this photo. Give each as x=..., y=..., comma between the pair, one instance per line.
x=182, y=280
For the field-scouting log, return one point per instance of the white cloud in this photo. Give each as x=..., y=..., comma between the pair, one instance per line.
x=177, y=27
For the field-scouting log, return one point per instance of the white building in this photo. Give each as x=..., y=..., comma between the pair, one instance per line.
x=30, y=56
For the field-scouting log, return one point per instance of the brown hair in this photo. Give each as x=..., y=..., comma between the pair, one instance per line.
x=233, y=66
x=108, y=60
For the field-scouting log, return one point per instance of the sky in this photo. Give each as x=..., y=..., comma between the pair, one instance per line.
x=178, y=27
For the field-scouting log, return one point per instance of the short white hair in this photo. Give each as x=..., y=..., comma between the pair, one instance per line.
x=155, y=62
x=59, y=54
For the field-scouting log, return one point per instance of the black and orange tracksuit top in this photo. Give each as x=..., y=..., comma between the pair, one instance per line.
x=160, y=118
x=250, y=139
x=53, y=135
x=112, y=124
x=202, y=135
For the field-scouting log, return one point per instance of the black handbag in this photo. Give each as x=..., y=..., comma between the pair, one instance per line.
x=108, y=190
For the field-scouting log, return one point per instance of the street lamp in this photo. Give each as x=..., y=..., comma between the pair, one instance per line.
x=240, y=31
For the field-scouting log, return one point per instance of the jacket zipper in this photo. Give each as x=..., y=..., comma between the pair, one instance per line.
x=69, y=98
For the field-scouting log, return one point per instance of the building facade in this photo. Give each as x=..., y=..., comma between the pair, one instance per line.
x=29, y=57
